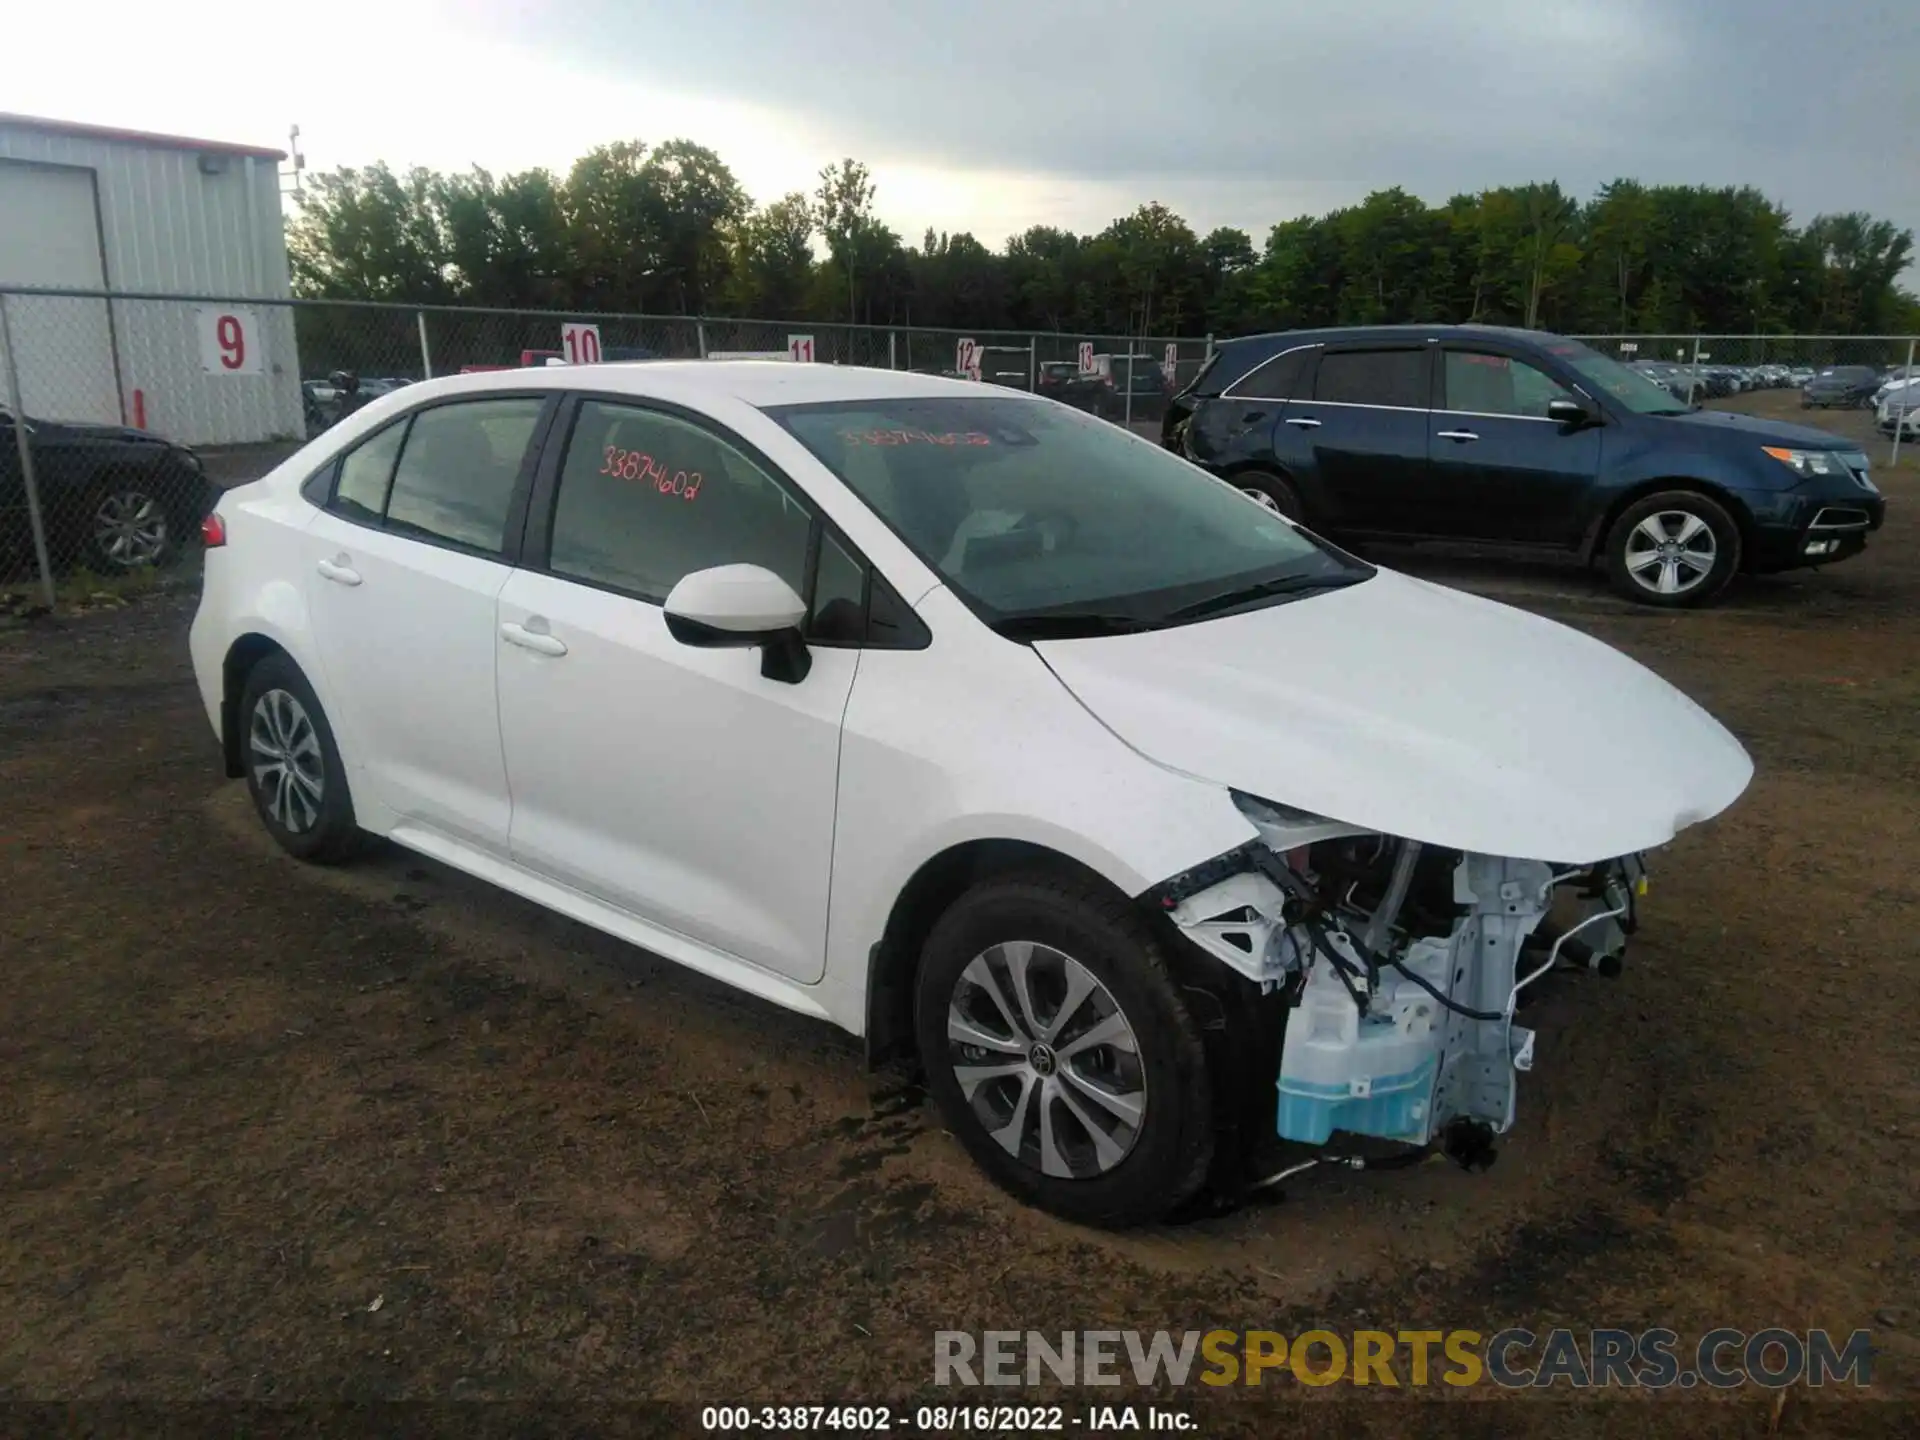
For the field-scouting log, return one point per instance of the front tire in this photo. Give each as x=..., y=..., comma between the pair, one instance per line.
x=1674, y=549
x=292, y=765
x=1058, y=1049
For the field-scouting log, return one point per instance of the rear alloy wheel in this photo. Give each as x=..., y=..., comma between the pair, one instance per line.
x=1675, y=549
x=1060, y=1052
x=292, y=765
x=1271, y=492
x=129, y=528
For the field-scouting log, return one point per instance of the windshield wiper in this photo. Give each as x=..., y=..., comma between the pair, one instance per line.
x=1068, y=625
x=1294, y=585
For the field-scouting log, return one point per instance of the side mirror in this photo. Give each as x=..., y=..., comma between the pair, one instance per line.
x=1569, y=412
x=739, y=607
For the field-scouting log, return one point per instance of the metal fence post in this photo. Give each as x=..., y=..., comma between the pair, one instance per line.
x=1693, y=379
x=892, y=336
x=426, y=353
x=34, y=519
x=1128, y=403
x=700, y=336
x=1900, y=412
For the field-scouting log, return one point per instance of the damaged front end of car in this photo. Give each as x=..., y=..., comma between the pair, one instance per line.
x=1391, y=971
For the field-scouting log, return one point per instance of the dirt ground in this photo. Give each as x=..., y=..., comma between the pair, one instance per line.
x=279, y=1135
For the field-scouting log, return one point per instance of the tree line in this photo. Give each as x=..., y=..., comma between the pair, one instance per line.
x=668, y=229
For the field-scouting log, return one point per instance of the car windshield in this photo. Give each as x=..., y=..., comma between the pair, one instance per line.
x=1047, y=521
x=1625, y=386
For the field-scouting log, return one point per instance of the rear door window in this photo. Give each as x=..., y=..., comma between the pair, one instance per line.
x=1396, y=378
x=1276, y=379
x=458, y=469
x=365, y=475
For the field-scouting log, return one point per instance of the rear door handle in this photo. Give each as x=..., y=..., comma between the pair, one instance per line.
x=1462, y=435
x=339, y=571
x=1304, y=422
x=536, y=640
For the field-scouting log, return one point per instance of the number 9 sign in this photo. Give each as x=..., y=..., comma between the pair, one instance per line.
x=229, y=340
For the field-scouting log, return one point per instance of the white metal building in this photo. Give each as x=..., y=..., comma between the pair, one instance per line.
x=84, y=207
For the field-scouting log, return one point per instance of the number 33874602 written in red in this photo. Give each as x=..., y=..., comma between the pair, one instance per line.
x=637, y=465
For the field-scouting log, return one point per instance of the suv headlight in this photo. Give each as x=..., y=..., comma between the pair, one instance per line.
x=1808, y=463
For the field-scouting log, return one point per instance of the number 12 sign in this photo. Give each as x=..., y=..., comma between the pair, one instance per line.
x=580, y=344
x=229, y=340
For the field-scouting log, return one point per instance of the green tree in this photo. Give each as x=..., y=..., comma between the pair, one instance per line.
x=844, y=211
x=689, y=201
x=771, y=267
x=368, y=234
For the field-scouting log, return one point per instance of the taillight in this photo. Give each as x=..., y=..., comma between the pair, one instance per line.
x=213, y=530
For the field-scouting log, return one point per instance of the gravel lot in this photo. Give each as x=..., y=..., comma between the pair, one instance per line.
x=276, y=1134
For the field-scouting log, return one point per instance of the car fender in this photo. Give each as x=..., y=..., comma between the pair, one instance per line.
x=1045, y=774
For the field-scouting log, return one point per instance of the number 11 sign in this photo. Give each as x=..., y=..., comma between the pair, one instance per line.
x=800, y=349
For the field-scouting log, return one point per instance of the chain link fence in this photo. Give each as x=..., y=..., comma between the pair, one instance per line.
x=123, y=415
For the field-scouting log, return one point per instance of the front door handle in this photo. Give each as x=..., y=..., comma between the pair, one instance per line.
x=538, y=641
x=338, y=571
x=1305, y=422
x=1460, y=435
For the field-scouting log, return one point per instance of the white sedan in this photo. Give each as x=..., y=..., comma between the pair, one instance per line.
x=1153, y=828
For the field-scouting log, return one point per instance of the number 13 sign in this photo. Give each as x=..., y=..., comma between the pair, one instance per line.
x=229, y=340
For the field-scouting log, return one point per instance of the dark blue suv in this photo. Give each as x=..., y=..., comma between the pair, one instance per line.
x=1484, y=436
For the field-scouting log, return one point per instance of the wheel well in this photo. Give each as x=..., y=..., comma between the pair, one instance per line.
x=245, y=653
x=1597, y=537
x=892, y=963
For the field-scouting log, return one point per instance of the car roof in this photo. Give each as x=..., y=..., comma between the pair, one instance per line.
x=1392, y=332
x=759, y=383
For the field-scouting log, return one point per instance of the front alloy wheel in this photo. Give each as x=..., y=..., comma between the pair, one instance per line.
x=1058, y=1045
x=1671, y=552
x=1046, y=1058
x=1674, y=549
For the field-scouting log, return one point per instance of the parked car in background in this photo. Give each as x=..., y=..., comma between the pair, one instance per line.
x=1485, y=436
x=1897, y=406
x=1842, y=387
x=112, y=498
x=327, y=402
x=1065, y=381
x=1129, y=386
x=1146, y=825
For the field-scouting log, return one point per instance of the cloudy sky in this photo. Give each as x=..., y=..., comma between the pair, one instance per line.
x=991, y=115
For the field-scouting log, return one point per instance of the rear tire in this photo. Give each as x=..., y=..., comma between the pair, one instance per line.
x=1273, y=492
x=1031, y=966
x=1674, y=549
x=292, y=765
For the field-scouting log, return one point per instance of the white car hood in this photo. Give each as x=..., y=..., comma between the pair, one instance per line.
x=1421, y=712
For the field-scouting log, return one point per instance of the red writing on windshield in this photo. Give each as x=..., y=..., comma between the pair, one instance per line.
x=637, y=465
x=914, y=437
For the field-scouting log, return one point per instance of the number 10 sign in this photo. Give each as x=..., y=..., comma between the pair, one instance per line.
x=229, y=340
